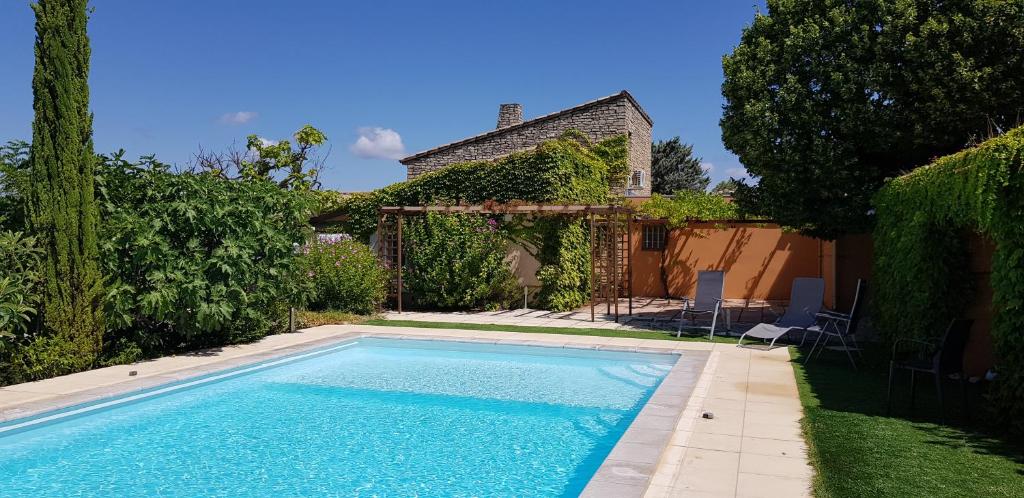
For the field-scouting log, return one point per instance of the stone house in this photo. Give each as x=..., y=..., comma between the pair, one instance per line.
x=617, y=114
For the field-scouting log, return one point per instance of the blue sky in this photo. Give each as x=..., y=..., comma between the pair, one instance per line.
x=169, y=77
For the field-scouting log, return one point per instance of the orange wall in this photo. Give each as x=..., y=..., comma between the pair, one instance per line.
x=760, y=262
x=854, y=260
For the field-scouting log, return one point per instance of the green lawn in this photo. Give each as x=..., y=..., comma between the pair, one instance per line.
x=652, y=334
x=858, y=451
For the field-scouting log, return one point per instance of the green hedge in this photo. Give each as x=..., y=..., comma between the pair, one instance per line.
x=921, y=265
x=194, y=260
x=565, y=170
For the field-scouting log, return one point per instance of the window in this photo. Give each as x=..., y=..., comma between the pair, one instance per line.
x=636, y=180
x=653, y=237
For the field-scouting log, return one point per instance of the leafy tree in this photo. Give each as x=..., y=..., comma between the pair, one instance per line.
x=62, y=208
x=827, y=98
x=726, y=187
x=674, y=167
x=292, y=168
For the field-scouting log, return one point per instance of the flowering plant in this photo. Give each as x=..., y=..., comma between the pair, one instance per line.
x=345, y=275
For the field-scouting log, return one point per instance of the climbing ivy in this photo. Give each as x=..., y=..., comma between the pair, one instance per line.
x=921, y=269
x=686, y=205
x=567, y=170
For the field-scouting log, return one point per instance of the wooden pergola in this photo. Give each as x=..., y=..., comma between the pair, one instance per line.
x=611, y=242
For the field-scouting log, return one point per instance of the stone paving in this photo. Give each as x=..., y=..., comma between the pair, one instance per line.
x=647, y=314
x=752, y=447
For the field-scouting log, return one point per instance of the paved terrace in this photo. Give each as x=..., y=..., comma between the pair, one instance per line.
x=752, y=446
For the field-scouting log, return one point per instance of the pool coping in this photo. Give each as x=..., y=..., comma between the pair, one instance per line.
x=627, y=471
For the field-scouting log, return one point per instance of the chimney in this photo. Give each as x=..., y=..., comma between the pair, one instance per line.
x=509, y=114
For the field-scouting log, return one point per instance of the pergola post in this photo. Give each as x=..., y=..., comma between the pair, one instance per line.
x=629, y=260
x=615, y=261
x=399, y=222
x=593, y=285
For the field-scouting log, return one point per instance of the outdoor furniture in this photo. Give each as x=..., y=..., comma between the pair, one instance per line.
x=805, y=299
x=942, y=360
x=707, y=301
x=842, y=326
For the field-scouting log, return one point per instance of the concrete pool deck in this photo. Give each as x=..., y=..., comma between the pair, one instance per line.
x=752, y=447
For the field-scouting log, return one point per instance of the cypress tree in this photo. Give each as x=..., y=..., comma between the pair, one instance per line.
x=62, y=205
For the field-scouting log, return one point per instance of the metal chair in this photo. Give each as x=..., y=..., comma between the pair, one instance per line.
x=942, y=360
x=842, y=326
x=708, y=300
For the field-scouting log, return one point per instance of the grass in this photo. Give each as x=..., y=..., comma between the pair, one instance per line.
x=636, y=334
x=859, y=451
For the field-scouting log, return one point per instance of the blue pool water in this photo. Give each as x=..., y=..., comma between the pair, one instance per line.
x=371, y=418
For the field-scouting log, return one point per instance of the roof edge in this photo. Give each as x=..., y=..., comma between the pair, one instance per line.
x=623, y=94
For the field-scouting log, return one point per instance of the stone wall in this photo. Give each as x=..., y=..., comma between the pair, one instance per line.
x=603, y=119
x=639, y=150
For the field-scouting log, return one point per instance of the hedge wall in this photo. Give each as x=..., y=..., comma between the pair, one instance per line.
x=567, y=170
x=921, y=273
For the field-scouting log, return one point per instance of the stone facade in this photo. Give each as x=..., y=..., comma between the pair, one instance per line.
x=603, y=118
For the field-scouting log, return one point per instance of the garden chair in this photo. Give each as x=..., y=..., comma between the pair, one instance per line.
x=805, y=299
x=842, y=326
x=943, y=359
x=707, y=301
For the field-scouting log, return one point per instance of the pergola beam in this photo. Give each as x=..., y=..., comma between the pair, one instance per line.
x=569, y=209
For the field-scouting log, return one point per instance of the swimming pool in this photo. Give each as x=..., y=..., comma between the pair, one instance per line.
x=371, y=417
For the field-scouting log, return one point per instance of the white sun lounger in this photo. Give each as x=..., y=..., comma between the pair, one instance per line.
x=805, y=301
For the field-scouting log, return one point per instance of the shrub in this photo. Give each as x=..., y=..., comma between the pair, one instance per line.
x=20, y=259
x=459, y=261
x=194, y=260
x=564, y=260
x=345, y=274
x=920, y=255
x=20, y=280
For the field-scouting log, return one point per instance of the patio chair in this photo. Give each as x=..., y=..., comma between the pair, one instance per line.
x=805, y=299
x=842, y=326
x=943, y=359
x=707, y=301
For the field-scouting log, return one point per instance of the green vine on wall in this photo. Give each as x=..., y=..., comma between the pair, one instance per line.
x=921, y=265
x=686, y=205
x=567, y=170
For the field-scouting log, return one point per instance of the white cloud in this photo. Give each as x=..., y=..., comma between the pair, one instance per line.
x=378, y=143
x=737, y=173
x=707, y=167
x=237, y=118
